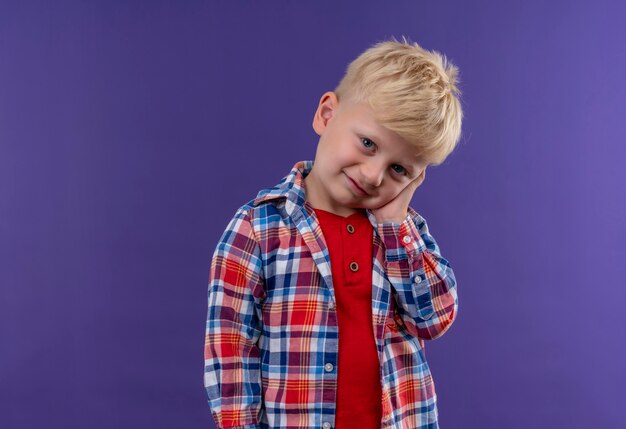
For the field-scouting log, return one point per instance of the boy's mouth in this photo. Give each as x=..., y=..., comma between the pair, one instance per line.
x=356, y=186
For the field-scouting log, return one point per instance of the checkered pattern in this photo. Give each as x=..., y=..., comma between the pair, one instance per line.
x=271, y=327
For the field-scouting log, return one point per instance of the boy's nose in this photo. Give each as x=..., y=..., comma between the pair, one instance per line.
x=373, y=174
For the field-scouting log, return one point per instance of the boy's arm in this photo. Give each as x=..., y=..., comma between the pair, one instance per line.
x=232, y=377
x=423, y=280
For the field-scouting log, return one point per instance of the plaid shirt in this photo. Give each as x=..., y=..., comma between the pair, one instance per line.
x=270, y=355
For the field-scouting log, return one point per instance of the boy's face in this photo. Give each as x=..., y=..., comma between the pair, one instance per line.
x=355, y=148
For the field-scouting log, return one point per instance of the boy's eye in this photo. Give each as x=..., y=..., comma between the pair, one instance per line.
x=401, y=171
x=367, y=142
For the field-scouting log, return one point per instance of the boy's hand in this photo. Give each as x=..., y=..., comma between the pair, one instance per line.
x=396, y=210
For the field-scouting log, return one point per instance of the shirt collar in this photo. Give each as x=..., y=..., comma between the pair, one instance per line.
x=291, y=186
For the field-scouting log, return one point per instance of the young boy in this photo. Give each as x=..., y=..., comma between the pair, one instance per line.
x=323, y=288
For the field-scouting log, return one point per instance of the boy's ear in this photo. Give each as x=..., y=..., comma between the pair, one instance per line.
x=325, y=110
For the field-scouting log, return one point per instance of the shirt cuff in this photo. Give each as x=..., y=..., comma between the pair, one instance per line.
x=403, y=236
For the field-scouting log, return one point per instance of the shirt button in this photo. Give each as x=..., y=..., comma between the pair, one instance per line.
x=326, y=425
x=354, y=266
x=350, y=228
x=418, y=279
x=331, y=305
x=406, y=239
x=328, y=367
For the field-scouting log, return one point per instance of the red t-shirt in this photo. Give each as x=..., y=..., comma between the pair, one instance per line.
x=349, y=240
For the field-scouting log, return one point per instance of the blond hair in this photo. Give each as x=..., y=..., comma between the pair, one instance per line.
x=412, y=92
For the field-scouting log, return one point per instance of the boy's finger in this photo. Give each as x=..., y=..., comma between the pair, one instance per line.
x=419, y=179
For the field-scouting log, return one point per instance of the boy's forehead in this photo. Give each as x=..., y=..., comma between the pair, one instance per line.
x=364, y=116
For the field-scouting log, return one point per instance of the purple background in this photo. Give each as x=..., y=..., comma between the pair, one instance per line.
x=130, y=132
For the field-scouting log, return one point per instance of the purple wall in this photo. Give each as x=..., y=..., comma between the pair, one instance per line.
x=130, y=132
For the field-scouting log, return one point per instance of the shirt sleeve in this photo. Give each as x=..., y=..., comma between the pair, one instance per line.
x=232, y=376
x=422, y=280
